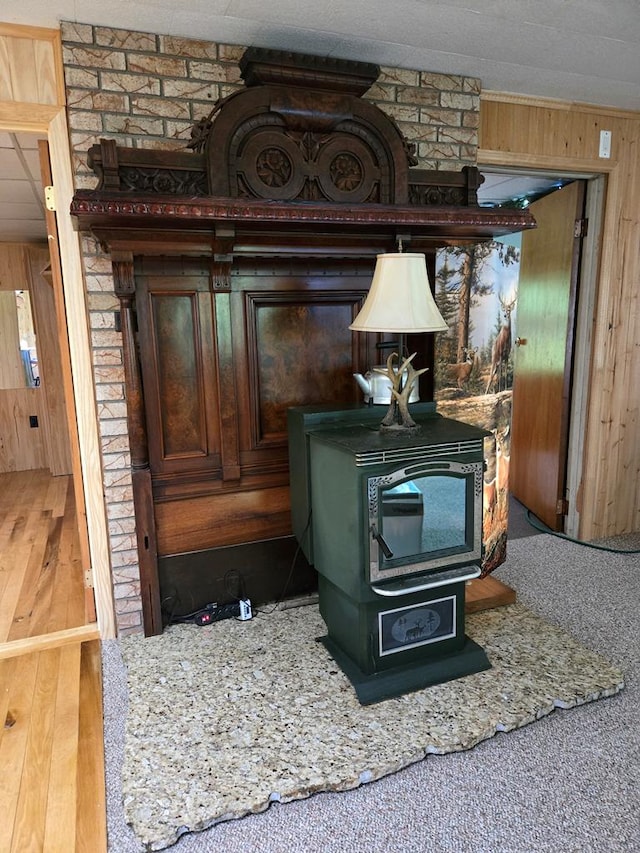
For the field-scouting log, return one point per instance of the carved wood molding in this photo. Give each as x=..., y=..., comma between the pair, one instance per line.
x=134, y=170
x=93, y=208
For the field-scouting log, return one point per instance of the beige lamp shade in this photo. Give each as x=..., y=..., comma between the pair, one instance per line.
x=399, y=299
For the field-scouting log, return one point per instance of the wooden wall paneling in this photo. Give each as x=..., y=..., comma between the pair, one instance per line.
x=11, y=367
x=13, y=276
x=50, y=440
x=12, y=266
x=146, y=537
x=22, y=447
x=49, y=363
x=282, y=339
x=53, y=275
x=229, y=390
x=179, y=424
x=226, y=518
x=554, y=135
x=30, y=65
x=293, y=346
x=302, y=355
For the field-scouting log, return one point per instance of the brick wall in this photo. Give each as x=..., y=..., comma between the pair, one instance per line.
x=146, y=91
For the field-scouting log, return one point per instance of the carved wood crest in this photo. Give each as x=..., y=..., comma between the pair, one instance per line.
x=300, y=131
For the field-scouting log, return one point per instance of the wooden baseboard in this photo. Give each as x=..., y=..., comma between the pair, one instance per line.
x=486, y=593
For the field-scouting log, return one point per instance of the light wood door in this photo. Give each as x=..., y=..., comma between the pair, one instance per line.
x=547, y=292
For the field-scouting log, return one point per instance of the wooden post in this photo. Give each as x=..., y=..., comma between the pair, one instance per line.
x=140, y=471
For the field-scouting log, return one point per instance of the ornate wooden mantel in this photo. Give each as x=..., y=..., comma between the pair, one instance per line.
x=296, y=149
x=109, y=214
x=241, y=262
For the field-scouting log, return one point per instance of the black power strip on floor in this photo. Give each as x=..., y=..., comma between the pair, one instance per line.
x=217, y=612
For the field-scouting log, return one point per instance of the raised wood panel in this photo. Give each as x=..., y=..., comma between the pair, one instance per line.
x=301, y=348
x=29, y=63
x=178, y=360
x=565, y=137
x=292, y=346
x=22, y=447
x=224, y=519
x=179, y=364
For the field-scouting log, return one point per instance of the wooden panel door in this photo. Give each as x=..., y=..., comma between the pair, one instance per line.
x=547, y=291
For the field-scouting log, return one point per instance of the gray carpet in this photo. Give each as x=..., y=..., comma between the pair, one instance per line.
x=569, y=782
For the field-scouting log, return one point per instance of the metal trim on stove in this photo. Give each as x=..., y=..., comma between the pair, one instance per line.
x=430, y=581
x=408, y=454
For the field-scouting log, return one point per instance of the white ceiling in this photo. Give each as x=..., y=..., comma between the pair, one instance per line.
x=579, y=50
x=583, y=50
x=21, y=197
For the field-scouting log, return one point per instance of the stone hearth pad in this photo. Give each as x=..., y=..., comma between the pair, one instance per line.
x=224, y=720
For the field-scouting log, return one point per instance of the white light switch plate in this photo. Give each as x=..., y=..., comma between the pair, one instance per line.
x=605, y=144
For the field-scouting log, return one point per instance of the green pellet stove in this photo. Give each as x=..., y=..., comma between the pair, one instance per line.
x=393, y=524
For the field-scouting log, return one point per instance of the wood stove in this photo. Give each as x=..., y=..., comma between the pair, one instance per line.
x=396, y=532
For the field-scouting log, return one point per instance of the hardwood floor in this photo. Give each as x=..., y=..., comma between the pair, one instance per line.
x=52, y=785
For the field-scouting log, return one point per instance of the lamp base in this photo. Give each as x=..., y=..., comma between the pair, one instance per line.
x=398, y=418
x=401, y=428
x=402, y=381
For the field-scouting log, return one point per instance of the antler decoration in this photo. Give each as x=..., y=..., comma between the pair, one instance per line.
x=398, y=416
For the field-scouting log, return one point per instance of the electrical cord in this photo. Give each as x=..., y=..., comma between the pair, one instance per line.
x=235, y=589
x=174, y=601
x=289, y=576
x=240, y=592
x=539, y=525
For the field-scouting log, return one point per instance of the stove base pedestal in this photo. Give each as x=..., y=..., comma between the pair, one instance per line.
x=407, y=678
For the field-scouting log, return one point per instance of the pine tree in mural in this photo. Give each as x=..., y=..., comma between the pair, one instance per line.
x=446, y=297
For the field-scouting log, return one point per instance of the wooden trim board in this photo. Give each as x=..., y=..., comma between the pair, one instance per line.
x=14, y=648
x=486, y=593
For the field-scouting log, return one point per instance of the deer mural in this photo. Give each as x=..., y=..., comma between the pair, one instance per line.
x=501, y=346
x=460, y=372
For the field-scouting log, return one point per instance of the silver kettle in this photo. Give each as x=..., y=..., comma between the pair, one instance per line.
x=376, y=386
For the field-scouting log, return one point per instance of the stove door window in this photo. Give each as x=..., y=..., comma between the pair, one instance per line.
x=423, y=516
